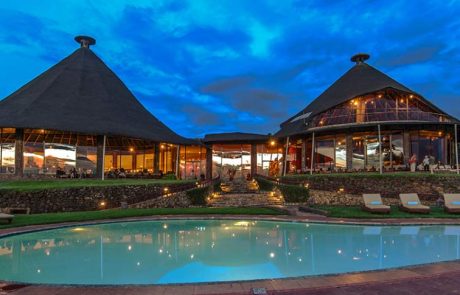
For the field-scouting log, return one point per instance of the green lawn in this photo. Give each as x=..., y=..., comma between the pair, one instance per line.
x=31, y=185
x=23, y=220
x=357, y=212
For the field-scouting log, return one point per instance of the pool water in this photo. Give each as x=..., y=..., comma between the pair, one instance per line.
x=190, y=251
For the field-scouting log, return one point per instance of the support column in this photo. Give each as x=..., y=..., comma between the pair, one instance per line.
x=100, y=154
x=156, y=159
x=285, y=156
x=303, y=164
x=456, y=149
x=208, y=163
x=380, y=149
x=178, y=162
x=19, y=153
x=253, y=160
x=349, y=153
x=406, y=147
x=312, y=161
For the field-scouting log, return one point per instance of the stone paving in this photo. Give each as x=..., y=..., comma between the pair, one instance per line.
x=439, y=278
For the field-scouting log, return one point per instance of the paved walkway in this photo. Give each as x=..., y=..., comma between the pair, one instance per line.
x=439, y=278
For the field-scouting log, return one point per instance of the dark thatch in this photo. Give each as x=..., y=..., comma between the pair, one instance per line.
x=361, y=79
x=235, y=137
x=81, y=94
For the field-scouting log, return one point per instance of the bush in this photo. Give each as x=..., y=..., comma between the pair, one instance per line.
x=265, y=185
x=169, y=176
x=198, y=196
x=291, y=193
x=294, y=193
x=216, y=186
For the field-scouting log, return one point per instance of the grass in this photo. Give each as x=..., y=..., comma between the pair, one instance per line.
x=47, y=218
x=357, y=212
x=34, y=185
x=371, y=175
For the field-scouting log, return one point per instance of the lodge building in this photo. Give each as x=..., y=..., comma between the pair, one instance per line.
x=78, y=115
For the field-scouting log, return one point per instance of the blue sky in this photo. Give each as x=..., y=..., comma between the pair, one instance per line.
x=221, y=66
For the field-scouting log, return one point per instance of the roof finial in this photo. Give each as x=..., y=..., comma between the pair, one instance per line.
x=360, y=58
x=85, y=41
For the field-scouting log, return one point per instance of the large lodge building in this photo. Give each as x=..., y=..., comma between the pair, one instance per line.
x=78, y=115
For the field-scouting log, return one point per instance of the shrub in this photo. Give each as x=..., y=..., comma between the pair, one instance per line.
x=198, y=196
x=294, y=193
x=291, y=193
x=265, y=185
x=169, y=176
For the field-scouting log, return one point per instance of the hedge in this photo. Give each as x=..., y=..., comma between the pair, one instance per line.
x=291, y=193
x=198, y=196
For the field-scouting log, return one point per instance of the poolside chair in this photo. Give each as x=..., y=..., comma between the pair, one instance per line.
x=452, y=203
x=411, y=203
x=7, y=217
x=373, y=203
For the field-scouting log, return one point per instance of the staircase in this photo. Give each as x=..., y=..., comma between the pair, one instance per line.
x=242, y=193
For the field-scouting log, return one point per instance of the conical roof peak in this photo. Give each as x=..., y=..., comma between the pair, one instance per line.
x=81, y=94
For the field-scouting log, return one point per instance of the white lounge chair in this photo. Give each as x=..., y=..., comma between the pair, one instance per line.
x=7, y=217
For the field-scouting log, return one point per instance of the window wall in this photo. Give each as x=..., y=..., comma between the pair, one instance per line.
x=269, y=159
x=389, y=105
x=193, y=162
x=429, y=143
x=7, y=150
x=231, y=160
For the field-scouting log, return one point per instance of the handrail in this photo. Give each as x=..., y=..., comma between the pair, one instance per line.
x=401, y=115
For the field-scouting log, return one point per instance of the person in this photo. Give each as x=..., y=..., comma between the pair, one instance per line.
x=413, y=162
x=426, y=163
x=432, y=162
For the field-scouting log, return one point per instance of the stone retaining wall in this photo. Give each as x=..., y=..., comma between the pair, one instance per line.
x=177, y=200
x=80, y=199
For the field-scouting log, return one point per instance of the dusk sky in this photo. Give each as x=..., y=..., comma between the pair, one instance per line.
x=221, y=66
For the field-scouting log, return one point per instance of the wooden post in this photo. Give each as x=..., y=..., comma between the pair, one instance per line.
x=380, y=150
x=303, y=165
x=208, y=163
x=101, y=139
x=19, y=153
x=177, y=162
x=406, y=146
x=456, y=148
x=156, y=159
x=253, y=160
x=349, y=152
x=285, y=156
x=312, y=152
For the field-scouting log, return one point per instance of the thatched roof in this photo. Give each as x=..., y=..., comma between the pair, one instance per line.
x=81, y=94
x=361, y=79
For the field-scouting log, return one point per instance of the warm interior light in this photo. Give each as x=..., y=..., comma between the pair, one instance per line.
x=411, y=96
x=272, y=143
x=402, y=100
x=379, y=96
x=131, y=149
x=355, y=103
x=162, y=146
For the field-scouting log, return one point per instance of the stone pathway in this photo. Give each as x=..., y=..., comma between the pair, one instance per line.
x=245, y=194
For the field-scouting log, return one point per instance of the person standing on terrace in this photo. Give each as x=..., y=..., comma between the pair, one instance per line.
x=413, y=162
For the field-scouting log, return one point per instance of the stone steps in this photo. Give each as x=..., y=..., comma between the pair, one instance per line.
x=245, y=200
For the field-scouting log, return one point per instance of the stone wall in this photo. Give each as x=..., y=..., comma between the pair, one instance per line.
x=177, y=200
x=80, y=199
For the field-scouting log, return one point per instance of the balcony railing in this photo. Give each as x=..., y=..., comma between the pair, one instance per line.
x=388, y=115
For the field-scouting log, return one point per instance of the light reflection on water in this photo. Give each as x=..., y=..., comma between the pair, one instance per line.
x=179, y=251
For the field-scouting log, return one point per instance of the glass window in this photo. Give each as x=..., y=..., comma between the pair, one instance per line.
x=86, y=160
x=358, y=153
x=324, y=155
x=340, y=153
x=59, y=156
x=33, y=158
x=140, y=161
x=126, y=162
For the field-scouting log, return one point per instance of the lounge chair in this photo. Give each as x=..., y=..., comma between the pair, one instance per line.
x=6, y=217
x=452, y=203
x=411, y=203
x=373, y=203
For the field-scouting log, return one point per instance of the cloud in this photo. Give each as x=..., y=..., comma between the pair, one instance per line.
x=205, y=66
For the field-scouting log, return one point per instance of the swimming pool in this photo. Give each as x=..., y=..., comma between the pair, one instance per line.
x=191, y=251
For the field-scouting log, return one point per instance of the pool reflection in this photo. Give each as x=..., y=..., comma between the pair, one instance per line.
x=204, y=251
